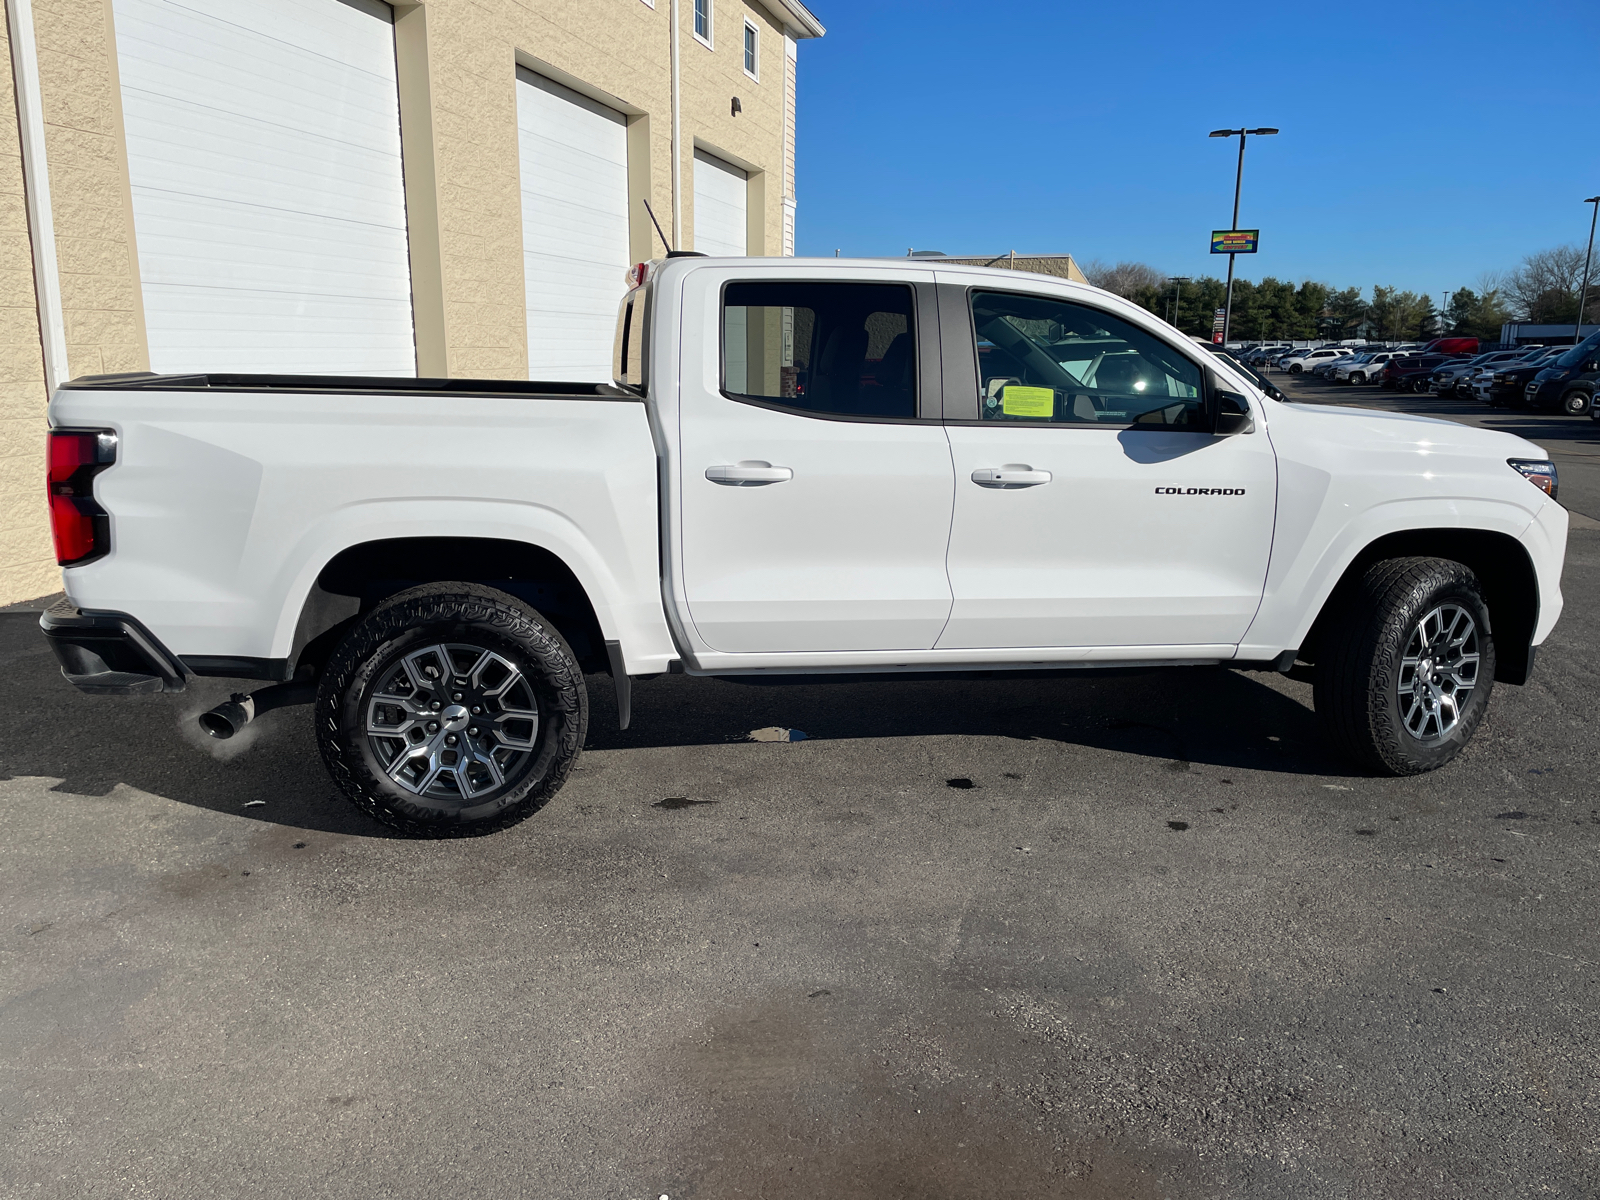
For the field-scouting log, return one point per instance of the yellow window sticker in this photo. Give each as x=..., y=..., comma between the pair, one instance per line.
x=1018, y=401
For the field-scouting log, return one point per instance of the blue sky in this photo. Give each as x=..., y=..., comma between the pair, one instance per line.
x=1422, y=144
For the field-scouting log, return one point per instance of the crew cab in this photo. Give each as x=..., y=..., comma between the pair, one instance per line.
x=801, y=468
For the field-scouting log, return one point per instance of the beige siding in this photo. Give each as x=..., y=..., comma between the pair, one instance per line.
x=27, y=563
x=100, y=300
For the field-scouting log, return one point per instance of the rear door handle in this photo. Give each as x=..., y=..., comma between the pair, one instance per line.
x=752, y=473
x=1012, y=475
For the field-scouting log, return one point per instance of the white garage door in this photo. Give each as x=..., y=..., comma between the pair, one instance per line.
x=720, y=206
x=574, y=155
x=268, y=202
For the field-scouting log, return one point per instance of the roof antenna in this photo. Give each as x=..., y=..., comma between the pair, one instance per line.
x=657, y=224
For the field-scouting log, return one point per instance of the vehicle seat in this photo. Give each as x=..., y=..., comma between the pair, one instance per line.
x=893, y=376
x=837, y=386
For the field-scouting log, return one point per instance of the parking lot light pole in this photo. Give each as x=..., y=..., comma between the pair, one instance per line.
x=1238, y=181
x=1177, y=299
x=1583, y=292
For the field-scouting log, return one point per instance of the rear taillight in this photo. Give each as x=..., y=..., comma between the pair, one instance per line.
x=81, y=527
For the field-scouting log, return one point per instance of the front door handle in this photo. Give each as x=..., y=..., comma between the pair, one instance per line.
x=1012, y=475
x=750, y=473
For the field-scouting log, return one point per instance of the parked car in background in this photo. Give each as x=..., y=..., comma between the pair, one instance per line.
x=1263, y=355
x=1360, y=368
x=1452, y=346
x=1465, y=375
x=1303, y=360
x=1450, y=372
x=1567, y=383
x=1410, y=372
x=1506, y=387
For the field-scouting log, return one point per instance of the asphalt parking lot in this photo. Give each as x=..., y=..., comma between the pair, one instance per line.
x=1104, y=936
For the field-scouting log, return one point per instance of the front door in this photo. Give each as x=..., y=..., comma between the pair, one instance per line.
x=816, y=501
x=1094, y=507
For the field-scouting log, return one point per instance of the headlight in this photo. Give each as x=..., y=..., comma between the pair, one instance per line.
x=1539, y=472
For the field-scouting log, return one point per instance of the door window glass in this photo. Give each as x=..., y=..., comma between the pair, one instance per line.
x=1051, y=361
x=844, y=349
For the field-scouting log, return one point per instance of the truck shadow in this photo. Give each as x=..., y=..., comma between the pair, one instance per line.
x=273, y=773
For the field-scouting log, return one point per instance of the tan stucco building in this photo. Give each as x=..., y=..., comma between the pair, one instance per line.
x=442, y=188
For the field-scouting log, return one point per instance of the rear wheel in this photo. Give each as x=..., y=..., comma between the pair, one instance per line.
x=451, y=709
x=1406, y=667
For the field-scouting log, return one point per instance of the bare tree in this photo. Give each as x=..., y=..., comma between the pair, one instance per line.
x=1126, y=278
x=1546, y=285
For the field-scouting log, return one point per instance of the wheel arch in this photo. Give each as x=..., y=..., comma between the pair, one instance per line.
x=1500, y=562
x=360, y=577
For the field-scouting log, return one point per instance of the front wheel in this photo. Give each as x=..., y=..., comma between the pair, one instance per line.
x=1358, y=377
x=1575, y=403
x=1295, y=368
x=451, y=709
x=1406, y=667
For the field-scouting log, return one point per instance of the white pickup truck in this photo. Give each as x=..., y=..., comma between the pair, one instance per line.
x=802, y=467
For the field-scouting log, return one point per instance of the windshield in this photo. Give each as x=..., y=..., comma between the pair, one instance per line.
x=1580, y=352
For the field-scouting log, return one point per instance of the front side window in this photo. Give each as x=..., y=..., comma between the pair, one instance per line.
x=1049, y=361
x=840, y=349
x=702, y=19
x=750, y=48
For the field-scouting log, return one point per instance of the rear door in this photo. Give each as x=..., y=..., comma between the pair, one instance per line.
x=1094, y=506
x=816, y=484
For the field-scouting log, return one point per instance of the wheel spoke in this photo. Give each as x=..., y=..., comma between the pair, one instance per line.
x=513, y=677
x=390, y=730
x=472, y=673
x=402, y=761
x=487, y=761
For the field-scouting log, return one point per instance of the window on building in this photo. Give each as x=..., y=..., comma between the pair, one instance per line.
x=1048, y=361
x=702, y=20
x=842, y=349
x=750, y=50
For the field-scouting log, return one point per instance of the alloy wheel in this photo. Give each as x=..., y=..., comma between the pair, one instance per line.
x=451, y=721
x=1438, y=672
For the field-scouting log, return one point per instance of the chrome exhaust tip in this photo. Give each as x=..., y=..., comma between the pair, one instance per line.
x=227, y=718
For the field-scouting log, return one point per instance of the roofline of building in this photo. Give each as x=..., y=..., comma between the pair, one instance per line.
x=797, y=17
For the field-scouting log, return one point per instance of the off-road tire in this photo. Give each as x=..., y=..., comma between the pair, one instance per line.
x=1359, y=664
x=457, y=614
x=1575, y=403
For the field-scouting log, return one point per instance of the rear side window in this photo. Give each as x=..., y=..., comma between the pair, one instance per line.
x=835, y=349
x=1048, y=361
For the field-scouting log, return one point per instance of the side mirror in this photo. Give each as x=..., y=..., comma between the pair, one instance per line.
x=1233, y=414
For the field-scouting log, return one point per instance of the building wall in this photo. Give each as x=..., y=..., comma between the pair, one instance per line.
x=27, y=563
x=456, y=63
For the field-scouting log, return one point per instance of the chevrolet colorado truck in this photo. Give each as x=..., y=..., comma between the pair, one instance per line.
x=801, y=467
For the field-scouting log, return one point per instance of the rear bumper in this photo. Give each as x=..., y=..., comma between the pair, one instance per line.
x=109, y=653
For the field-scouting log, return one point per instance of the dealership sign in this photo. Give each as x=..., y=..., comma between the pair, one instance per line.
x=1234, y=241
